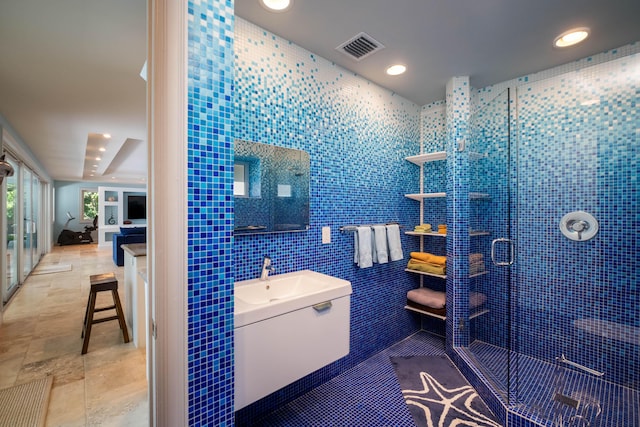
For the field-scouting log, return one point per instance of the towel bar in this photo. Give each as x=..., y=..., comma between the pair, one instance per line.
x=351, y=228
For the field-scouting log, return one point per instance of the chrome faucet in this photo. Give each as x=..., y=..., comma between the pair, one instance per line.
x=266, y=268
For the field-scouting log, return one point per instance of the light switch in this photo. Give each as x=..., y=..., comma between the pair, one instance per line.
x=326, y=234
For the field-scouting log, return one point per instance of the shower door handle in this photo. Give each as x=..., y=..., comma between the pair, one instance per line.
x=511, y=251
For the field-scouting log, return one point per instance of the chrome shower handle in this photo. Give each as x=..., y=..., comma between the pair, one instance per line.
x=511, y=251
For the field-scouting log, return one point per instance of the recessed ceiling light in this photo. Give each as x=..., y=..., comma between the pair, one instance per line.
x=102, y=149
x=397, y=69
x=571, y=37
x=276, y=5
x=98, y=158
x=106, y=135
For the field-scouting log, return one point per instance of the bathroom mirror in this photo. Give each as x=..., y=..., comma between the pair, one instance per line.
x=271, y=188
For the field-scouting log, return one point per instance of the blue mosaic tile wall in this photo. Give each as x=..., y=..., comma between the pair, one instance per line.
x=210, y=212
x=358, y=136
x=576, y=148
x=579, y=149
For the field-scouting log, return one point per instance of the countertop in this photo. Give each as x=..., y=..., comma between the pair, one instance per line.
x=135, y=249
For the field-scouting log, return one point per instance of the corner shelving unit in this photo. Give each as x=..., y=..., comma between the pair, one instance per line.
x=436, y=234
x=421, y=196
x=420, y=160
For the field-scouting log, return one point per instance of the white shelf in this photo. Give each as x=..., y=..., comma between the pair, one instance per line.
x=441, y=276
x=417, y=233
x=437, y=316
x=421, y=159
x=478, y=313
x=426, y=313
x=421, y=196
x=436, y=234
x=482, y=273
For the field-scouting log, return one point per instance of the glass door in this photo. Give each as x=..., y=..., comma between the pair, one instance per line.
x=11, y=281
x=577, y=318
x=27, y=229
x=490, y=247
x=36, y=204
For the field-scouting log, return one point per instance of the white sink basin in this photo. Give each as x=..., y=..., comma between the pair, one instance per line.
x=257, y=300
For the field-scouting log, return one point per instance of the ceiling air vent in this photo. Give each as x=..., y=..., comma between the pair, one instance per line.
x=360, y=46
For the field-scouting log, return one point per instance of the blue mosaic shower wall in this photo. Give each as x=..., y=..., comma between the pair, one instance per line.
x=579, y=149
x=358, y=136
x=210, y=212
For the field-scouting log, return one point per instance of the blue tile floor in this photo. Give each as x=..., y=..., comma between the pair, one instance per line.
x=535, y=382
x=365, y=395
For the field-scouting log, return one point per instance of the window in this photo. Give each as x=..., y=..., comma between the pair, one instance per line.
x=241, y=179
x=89, y=208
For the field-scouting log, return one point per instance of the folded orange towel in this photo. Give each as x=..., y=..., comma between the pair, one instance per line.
x=430, y=258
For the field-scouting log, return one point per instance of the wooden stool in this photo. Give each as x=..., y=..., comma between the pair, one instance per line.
x=101, y=283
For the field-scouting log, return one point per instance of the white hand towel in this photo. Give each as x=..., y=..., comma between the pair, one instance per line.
x=395, y=245
x=374, y=254
x=356, y=244
x=380, y=251
x=362, y=251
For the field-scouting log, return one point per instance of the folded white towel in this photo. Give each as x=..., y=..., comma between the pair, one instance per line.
x=395, y=245
x=362, y=247
x=380, y=251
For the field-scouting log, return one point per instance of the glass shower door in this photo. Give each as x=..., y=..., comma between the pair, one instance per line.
x=577, y=320
x=490, y=250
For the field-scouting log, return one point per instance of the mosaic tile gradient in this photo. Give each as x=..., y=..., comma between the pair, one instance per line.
x=210, y=212
x=576, y=148
x=358, y=136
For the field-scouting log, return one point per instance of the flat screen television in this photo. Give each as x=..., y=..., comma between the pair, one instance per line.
x=136, y=207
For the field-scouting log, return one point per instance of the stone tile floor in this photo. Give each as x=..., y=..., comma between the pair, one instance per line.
x=40, y=335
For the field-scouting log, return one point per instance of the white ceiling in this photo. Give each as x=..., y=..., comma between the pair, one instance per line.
x=489, y=40
x=69, y=69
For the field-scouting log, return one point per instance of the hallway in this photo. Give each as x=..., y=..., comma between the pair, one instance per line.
x=40, y=335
